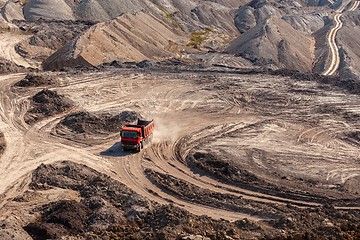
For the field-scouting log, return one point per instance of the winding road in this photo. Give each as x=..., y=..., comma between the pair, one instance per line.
x=334, y=50
x=8, y=41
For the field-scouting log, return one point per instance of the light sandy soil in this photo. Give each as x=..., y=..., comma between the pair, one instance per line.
x=334, y=64
x=8, y=41
x=289, y=133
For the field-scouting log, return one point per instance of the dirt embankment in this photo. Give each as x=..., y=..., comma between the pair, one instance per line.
x=91, y=127
x=135, y=37
x=222, y=168
x=7, y=67
x=314, y=223
x=192, y=193
x=274, y=42
x=46, y=103
x=111, y=210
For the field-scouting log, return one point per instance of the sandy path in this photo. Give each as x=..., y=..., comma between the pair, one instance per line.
x=8, y=41
x=189, y=110
x=23, y=154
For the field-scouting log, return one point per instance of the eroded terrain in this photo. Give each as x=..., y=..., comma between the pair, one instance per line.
x=281, y=152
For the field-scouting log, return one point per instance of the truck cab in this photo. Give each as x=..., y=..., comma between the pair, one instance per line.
x=133, y=136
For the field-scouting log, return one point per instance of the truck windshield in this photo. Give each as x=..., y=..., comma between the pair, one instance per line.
x=129, y=134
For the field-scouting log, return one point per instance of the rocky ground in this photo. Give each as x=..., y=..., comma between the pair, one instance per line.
x=35, y=80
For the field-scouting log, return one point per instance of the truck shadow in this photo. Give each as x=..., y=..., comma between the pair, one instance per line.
x=116, y=151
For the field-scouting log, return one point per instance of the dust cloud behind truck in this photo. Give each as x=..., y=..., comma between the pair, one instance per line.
x=135, y=136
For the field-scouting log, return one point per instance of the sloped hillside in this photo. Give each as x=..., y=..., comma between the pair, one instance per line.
x=48, y=9
x=275, y=42
x=12, y=10
x=135, y=30
x=131, y=37
x=278, y=34
x=187, y=14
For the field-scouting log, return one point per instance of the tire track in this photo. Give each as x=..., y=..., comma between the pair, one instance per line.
x=7, y=49
x=334, y=49
x=170, y=159
x=189, y=115
x=132, y=174
x=335, y=59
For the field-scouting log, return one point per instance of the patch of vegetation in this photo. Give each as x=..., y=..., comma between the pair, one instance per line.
x=170, y=16
x=198, y=37
x=23, y=2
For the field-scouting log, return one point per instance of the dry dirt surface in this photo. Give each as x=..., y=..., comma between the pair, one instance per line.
x=7, y=46
x=281, y=152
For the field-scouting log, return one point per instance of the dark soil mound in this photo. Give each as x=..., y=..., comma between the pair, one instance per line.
x=47, y=103
x=59, y=219
x=52, y=33
x=2, y=143
x=88, y=123
x=353, y=138
x=212, y=164
x=110, y=210
x=193, y=193
x=9, y=67
x=33, y=80
x=324, y=221
x=226, y=170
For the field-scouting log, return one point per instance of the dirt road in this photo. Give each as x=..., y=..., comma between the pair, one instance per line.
x=8, y=41
x=335, y=58
x=298, y=138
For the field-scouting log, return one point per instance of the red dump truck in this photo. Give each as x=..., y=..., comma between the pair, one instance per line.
x=134, y=136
